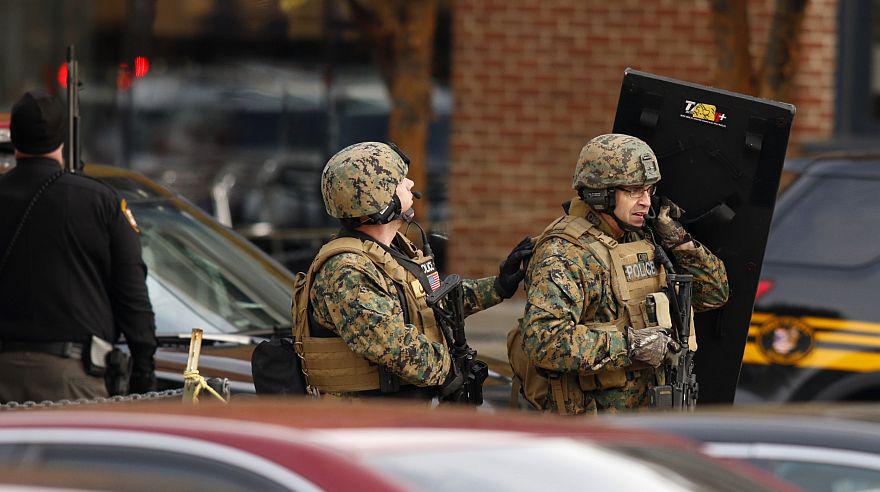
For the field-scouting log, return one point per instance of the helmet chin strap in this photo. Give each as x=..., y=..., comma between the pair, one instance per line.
x=408, y=215
x=623, y=225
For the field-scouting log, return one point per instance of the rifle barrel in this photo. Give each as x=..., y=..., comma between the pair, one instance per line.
x=72, y=152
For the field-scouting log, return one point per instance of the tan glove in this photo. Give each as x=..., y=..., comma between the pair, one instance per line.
x=670, y=232
x=649, y=345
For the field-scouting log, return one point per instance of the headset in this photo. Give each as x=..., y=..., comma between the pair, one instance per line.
x=601, y=200
x=604, y=201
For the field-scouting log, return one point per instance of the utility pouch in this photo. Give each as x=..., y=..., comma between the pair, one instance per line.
x=660, y=396
x=94, y=356
x=118, y=372
x=587, y=382
x=388, y=381
x=611, y=379
x=660, y=307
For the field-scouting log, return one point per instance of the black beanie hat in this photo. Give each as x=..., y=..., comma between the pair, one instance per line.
x=38, y=123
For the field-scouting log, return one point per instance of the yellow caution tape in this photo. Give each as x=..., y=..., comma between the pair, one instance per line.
x=201, y=384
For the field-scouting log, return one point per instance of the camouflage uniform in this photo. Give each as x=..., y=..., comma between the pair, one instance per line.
x=352, y=298
x=568, y=287
x=374, y=299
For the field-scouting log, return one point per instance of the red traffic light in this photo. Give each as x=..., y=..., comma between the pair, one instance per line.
x=62, y=75
x=141, y=66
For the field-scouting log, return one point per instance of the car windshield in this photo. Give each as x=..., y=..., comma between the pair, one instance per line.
x=201, y=279
x=809, y=231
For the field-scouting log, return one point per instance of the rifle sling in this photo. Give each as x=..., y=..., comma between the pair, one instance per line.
x=27, y=213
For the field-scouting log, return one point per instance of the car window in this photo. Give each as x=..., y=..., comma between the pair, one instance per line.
x=168, y=469
x=812, y=467
x=130, y=189
x=824, y=221
x=191, y=265
x=557, y=464
x=822, y=477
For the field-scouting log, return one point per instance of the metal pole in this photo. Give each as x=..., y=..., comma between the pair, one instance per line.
x=190, y=384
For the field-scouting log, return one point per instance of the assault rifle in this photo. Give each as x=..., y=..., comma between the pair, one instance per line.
x=72, y=163
x=448, y=305
x=681, y=389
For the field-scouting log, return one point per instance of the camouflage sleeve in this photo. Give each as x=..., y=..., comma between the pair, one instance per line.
x=350, y=293
x=479, y=295
x=710, y=277
x=566, y=284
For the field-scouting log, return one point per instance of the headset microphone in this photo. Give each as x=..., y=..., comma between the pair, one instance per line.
x=417, y=195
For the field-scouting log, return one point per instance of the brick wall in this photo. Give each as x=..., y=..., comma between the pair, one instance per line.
x=533, y=80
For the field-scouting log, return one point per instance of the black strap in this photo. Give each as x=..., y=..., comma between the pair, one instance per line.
x=402, y=259
x=70, y=350
x=26, y=214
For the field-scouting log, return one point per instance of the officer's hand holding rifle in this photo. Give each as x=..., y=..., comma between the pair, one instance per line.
x=465, y=382
x=448, y=305
x=681, y=389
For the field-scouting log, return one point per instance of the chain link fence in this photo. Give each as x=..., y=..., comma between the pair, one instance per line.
x=152, y=395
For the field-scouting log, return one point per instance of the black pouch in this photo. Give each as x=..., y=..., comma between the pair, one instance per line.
x=660, y=396
x=276, y=368
x=94, y=356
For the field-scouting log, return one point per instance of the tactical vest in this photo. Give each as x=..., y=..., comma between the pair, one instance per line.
x=636, y=284
x=329, y=365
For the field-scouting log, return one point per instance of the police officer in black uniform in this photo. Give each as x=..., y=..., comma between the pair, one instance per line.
x=71, y=274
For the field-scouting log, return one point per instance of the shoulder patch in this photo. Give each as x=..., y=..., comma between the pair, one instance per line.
x=129, y=216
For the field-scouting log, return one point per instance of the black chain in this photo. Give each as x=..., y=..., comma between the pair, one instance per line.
x=152, y=395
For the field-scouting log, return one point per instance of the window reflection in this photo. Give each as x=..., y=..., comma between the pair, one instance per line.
x=204, y=276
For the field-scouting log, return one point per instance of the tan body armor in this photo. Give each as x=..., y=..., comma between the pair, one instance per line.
x=329, y=365
x=636, y=283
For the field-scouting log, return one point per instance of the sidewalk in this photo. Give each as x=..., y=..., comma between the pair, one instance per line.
x=487, y=330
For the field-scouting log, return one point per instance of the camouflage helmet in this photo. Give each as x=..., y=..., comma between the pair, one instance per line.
x=361, y=179
x=613, y=160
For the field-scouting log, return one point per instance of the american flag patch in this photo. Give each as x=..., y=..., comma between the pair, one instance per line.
x=434, y=280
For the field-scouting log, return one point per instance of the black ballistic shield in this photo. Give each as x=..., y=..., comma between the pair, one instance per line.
x=721, y=157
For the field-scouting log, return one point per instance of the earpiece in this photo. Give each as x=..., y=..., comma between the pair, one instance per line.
x=601, y=200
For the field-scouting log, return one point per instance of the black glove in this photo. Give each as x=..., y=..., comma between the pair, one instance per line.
x=670, y=232
x=142, y=382
x=513, y=269
x=454, y=380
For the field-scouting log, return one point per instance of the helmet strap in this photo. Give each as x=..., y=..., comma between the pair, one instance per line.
x=603, y=201
x=623, y=225
x=391, y=212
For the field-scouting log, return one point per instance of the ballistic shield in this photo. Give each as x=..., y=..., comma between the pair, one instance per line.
x=721, y=155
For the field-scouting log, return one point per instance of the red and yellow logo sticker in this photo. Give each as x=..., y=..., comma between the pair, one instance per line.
x=705, y=113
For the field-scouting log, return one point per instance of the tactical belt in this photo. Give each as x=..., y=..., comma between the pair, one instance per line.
x=68, y=350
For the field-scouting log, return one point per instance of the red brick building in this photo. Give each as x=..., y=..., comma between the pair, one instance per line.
x=534, y=80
